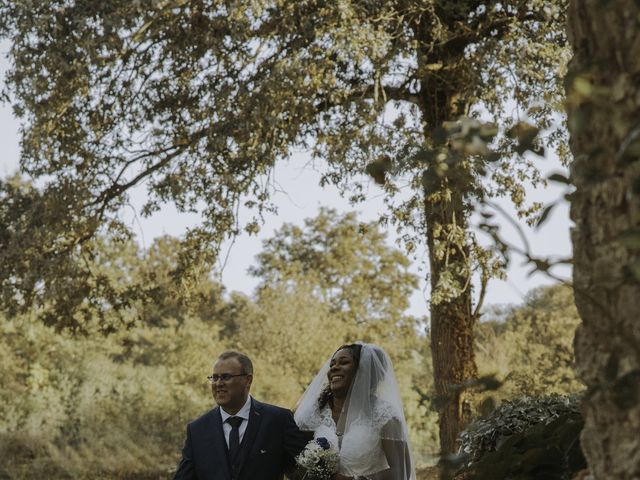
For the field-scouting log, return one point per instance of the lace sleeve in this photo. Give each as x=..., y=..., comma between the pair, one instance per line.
x=388, y=420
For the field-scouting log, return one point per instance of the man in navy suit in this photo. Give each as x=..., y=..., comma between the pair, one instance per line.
x=240, y=439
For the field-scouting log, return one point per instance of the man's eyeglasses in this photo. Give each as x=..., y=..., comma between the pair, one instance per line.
x=225, y=377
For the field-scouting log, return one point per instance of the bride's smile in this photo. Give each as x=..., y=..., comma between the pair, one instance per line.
x=341, y=371
x=336, y=381
x=354, y=404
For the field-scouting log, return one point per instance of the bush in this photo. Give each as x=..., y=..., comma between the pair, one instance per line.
x=87, y=407
x=526, y=438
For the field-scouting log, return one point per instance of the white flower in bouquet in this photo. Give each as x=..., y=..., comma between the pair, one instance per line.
x=319, y=460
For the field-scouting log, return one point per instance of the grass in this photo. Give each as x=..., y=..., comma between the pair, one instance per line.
x=26, y=457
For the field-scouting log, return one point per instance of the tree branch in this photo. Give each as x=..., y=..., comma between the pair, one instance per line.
x=402, y=94
x=116, y=189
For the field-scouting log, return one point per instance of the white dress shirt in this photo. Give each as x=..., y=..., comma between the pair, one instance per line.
x=243, y=413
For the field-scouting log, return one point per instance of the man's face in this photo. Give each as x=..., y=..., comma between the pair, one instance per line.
x=232, y=394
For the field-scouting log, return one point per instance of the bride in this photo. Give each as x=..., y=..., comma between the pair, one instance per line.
x=354, y=403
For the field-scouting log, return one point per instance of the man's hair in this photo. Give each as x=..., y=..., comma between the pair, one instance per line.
x=245, y=362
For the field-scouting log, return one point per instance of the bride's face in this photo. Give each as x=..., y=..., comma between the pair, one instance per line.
x=342, y=369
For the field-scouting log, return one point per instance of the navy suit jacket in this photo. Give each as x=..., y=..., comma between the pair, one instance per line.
x=269, y=446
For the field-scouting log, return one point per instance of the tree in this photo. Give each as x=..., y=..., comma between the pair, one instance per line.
x=542, y=334
x=348, y=262
x=338, y=276
x=167, y=299
x=530, y=346
x=199, y=99
x=330, y=282
x=603, y=92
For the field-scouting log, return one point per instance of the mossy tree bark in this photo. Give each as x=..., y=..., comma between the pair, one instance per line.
x=444, y=97
x=604, y=112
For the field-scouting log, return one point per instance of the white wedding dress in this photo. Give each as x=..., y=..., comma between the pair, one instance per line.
x=360, y=447
x=372, y=414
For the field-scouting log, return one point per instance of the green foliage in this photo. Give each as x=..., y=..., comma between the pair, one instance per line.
x=530, y=347
x=92, y=282
x=534, y=432
x=514, y=416
x=81, y=407
x=88, y=405
x=47, y=252
x=332, y=282
x=528, y=438
x=115, y=406
x=199, y=99
x=348, y=262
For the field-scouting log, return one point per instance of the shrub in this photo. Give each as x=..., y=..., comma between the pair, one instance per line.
x=525, y=439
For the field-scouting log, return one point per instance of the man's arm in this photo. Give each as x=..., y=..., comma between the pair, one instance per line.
x=294, y=440
x=186, y=470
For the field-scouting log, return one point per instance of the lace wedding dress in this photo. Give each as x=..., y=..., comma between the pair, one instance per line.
x=360, y=447
x=372, y=414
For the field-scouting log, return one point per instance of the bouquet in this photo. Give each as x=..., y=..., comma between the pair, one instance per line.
x=319, y=460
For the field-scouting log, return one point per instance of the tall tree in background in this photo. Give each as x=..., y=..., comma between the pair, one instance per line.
x=604, y=108
x=198, y=99
x=331, y=281
x=530, y=346
x=348, y=263
x=336, y=276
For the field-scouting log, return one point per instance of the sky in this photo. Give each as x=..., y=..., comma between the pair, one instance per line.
x=300, y=197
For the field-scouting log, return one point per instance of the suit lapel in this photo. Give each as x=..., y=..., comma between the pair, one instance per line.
x=217, y=443
x=255, y=417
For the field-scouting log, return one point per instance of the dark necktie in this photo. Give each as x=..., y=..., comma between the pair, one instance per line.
x=234, y=437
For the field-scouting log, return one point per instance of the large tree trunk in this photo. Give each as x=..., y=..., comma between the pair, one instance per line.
x=452, y=319
x=451, y=325
x=604, y=119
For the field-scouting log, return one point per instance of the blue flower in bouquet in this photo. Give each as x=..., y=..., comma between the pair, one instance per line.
x=323, y=442
x=318, y=460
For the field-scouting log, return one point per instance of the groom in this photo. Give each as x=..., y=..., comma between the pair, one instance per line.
x=241, y=439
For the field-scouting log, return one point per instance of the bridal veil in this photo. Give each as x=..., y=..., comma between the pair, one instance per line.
x=371, y=431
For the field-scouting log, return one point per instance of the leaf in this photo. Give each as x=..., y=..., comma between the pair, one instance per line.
x=493, y=157
x=433, y=66
x=488, y=131
x=425, y=155
x=139, y=35
x=525, y=134
x=378, y=169
x=583, y=86
x=559, y=178
x=545, y=214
